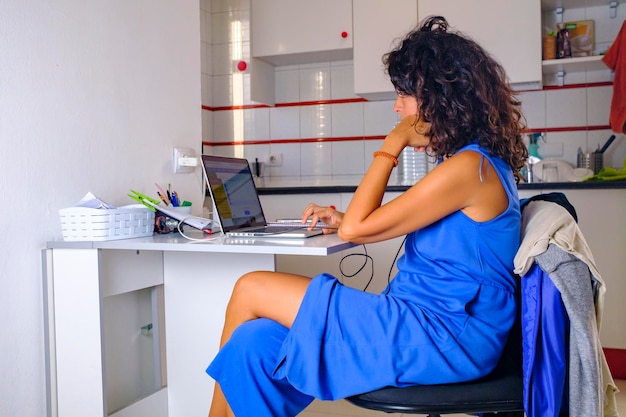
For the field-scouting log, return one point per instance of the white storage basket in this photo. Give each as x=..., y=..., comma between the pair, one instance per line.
x=81, y=223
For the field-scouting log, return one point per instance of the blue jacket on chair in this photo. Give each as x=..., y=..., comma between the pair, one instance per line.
x=545, y=327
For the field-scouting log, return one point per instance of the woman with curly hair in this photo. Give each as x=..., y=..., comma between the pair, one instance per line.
x=288, y=339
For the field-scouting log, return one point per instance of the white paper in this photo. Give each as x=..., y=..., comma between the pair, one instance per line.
x=91, y=201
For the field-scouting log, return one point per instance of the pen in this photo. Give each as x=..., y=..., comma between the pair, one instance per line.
x=162, y=197
x=162, y=193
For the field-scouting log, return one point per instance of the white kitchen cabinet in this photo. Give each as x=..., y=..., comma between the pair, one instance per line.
x=376, y=26
x=509, y=29
x=285, y=32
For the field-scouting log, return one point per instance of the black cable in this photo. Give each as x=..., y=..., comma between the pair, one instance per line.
x=393, y=263
x=367, y=257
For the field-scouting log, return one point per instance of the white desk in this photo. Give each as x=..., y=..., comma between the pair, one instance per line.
x=194, y=279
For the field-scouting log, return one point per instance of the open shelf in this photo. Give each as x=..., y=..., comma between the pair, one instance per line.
x=585, y=63
x=547, y=5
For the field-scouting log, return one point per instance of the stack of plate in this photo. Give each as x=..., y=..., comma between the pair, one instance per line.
x=566, y=172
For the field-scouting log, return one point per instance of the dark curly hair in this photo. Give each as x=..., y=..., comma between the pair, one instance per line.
x=461, y=90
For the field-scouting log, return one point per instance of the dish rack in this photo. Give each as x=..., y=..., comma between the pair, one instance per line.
x=89, y=224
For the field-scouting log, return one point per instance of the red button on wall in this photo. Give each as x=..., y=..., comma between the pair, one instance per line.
x=344, y=34
x=241, y=65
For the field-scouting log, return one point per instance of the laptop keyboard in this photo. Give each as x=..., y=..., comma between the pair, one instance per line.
x=274, y=229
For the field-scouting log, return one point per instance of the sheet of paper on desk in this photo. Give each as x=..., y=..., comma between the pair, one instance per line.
x=91, y=201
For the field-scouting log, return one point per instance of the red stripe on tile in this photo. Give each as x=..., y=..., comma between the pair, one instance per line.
x=360, y=99
x=318, y=102
x=333, y=139
x=292, y=141
x=616, y=358
x=567, y=129
x=583, y=85
x=242, y=107
x=380, y=137
x=294, y=104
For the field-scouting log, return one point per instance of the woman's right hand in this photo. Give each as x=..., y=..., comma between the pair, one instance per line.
x=328, y=215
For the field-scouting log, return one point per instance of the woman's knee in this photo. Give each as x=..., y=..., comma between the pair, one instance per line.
x=246, y=290
x=247, y=286
x=268, y=294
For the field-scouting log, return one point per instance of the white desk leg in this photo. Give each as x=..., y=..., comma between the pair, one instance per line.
x=75, y=294
x=197, y=289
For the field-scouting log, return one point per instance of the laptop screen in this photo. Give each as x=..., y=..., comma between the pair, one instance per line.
x=233, y=192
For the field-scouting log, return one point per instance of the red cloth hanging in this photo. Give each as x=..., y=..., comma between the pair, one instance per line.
x=615, y=58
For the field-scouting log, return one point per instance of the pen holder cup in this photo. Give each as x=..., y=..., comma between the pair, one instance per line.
x=183, y=209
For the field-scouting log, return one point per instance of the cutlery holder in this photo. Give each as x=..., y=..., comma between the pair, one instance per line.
x=590, y=160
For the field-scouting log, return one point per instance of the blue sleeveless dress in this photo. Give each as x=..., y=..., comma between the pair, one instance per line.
x=443, y=318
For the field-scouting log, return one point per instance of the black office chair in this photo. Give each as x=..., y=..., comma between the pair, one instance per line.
x=499, y=393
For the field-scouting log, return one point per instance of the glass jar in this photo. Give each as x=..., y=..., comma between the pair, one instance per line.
x=412, y=166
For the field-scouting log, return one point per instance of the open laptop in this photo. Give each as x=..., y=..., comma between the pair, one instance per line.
x=236, y=201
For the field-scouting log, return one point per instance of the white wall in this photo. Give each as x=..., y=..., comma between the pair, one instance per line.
x=93, y=97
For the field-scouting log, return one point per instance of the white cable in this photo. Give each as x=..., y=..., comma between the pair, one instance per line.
x=195, y=239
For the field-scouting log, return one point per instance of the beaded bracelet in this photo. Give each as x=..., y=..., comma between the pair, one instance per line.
x=388, y=156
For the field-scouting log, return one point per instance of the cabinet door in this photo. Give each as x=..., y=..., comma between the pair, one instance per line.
x=509, y=29
x=285, y=32
x=377, y=24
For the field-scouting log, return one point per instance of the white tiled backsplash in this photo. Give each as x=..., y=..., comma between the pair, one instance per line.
x=574, y=105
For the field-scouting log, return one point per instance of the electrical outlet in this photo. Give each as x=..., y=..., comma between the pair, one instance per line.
x=184, y=160
x=274, y=160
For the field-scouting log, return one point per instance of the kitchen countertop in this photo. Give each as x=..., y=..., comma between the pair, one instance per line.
x=277, y=187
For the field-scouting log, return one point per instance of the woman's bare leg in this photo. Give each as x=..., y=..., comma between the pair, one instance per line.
x=219, y=406
x=262, y=294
